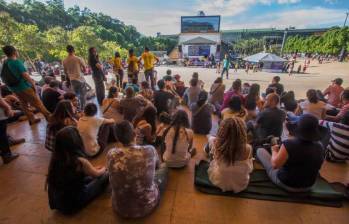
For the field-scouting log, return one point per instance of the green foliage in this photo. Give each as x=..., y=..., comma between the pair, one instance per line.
x=330, y=42
x=249, y=46
x=52, y=27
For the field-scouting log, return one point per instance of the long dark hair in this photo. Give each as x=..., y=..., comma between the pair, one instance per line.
x=203, y=96
x=112, y=91
x=179, y=121
x=312, y=96
x=148, y=114
x=254, y=92
x=92, y=57
x=64, y=110
x=64, y=165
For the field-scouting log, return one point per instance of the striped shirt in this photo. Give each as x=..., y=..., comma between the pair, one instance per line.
x=338, y=147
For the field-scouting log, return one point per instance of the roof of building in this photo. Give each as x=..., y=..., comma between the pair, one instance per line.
x=199, y=40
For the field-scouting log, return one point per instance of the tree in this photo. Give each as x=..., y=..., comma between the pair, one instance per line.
x=82, y=38
x=56, y=41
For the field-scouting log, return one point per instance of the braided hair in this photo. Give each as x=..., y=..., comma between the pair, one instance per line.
x=231, y=140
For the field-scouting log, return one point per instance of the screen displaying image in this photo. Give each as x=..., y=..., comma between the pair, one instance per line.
x=198, y=50
x=200, y=24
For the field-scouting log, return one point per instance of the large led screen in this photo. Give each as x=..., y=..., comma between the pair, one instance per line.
x=200, y=24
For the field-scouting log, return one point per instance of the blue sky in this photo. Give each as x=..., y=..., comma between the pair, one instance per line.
x=151, y=16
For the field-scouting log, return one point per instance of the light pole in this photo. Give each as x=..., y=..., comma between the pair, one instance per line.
x=346, y=18
x=283, y=41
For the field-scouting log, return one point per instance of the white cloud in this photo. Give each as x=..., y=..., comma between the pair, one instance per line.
x=235, y=7
x=302, y=18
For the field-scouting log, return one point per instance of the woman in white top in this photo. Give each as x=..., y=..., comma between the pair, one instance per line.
x=232, y=157
x=178, y=140
x=111, y=105
x=313, y=105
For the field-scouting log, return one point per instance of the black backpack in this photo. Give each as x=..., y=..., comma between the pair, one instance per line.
x=8, y=77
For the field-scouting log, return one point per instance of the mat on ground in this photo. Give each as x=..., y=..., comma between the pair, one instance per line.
x=261, y=188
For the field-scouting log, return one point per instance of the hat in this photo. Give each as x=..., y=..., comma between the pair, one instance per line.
x=308, y=129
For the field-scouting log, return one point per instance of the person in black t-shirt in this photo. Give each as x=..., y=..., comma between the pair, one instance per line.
x=275, y=84
x=51, y=97
x=97, y=74
x=161, y=98
x=295, y=165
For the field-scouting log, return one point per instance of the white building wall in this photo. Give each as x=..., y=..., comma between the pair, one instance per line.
x=216, y=37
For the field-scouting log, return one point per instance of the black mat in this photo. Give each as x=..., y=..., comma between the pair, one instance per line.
x=262, y=188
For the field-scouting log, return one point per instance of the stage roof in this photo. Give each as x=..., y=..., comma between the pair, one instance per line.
x=199, y=40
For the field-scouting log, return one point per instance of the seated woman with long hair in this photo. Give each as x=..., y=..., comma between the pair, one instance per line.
x=72, y=181
x=178, y=141
x=253, y=97
x=63, y=116
x=145, y=126
x=202, y=115
x=232, y=157
x=111, y=105
x=235, y=109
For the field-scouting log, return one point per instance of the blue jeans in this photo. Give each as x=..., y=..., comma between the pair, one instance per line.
x=149, y=74
x=79, y=89
x=225, y=70
x=99, y=86
x=265, y=158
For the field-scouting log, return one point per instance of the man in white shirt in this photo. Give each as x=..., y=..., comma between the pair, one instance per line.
x=90, y=126
x=73, y=68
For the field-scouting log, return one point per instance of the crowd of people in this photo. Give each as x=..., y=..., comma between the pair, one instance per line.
x=151, y=126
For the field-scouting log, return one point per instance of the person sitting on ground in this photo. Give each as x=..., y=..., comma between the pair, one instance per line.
x=202, y=115
x=344, y=108
x=146, y=91
x=234, y=91
x=275, y=84
x=164, y=122
x=232, y=157
x=235, y=109
x=62, y=116
x=47, y=81
x=201, y=83
x=191, y=95
x=137, y=178
x=337, y=149
x=5, y=151
x=253, y=97
x=333, y=92
x=313, y=106
x=111, y=105
x=295, y=165
x=270, y=120
x=130, y=105
x=178, y=139
x=217, y=94
x=72, y=181
x=75, y=102
x=179, y=85
x=51, y=96
x=94, y=136
x=145, y=126
x=18, y=80
x=162, y=98
x=133, y=85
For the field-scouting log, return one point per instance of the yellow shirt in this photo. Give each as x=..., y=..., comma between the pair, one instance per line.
x=148, y=59
x=133, y=60
x=117, y=64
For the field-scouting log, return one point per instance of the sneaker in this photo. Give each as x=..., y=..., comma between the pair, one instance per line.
x=35, y=121
x=12, y=141
x=9, y=158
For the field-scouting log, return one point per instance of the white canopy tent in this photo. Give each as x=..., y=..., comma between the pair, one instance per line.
x=270, y=62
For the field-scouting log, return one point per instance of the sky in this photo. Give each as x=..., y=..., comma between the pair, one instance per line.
x=152, y=16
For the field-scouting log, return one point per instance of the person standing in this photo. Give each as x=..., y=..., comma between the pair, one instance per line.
x=132, y=68
x=226, y=65
x=148, y=60
x=73, y=68
x=5, y=112
x=118, y=69
x=17, y=79
x=97, y=74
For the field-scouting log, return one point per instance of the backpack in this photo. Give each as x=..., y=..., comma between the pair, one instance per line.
x=8, y=77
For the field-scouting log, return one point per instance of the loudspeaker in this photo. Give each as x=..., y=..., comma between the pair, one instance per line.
x=180, y=48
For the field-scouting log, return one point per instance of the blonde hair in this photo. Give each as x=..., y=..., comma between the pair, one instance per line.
x=231, y=140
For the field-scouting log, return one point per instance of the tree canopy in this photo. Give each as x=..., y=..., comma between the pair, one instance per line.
x=330, y=42
x=42, y=30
